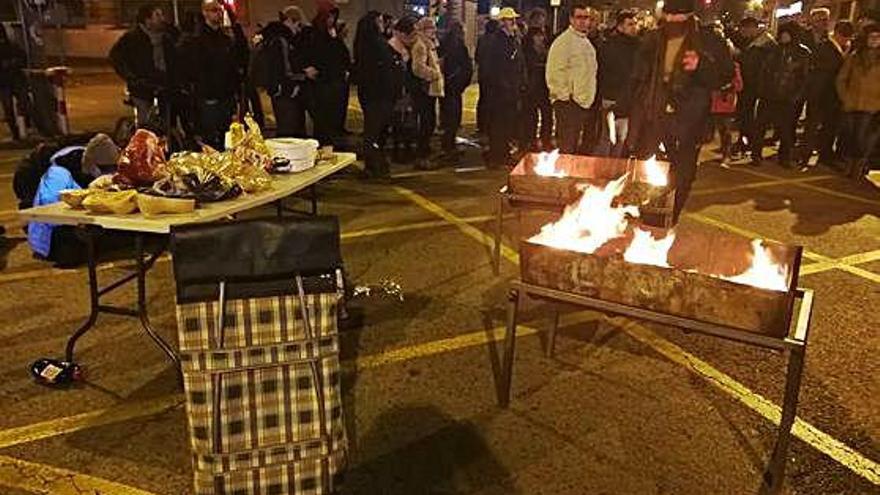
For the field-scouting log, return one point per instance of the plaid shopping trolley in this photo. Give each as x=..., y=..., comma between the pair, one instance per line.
x=259, y=348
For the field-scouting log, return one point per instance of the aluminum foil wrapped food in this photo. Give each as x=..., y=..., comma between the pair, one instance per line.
x=143, y=160
x=195, y=175
x=232, y=166
x=246, y=143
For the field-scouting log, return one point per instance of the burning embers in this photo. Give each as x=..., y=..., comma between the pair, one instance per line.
x=598, y=223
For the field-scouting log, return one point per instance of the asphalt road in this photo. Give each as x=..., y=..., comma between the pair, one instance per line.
x=622, y=408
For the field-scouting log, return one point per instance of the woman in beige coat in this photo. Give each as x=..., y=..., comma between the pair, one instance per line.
x=428, y=78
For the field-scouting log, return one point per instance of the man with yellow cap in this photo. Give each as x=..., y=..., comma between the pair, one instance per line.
x=505, y=81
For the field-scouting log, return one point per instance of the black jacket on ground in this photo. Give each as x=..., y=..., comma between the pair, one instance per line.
x=502, y=70
x=784, y=76
x=132, y=59
x=617, y=58
x=458, y=69
x=215, y=63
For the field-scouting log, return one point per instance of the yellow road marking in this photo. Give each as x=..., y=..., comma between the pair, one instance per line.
x=823, y=264
x=803, y=430
x=131, y=410
x=40, y=478
x=804, y=185
x=465, y=227
x=70, y=424
x=813, y=436
x=756, y=185
x=370, y=232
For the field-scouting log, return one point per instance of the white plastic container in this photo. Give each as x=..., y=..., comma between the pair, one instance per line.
x=300, y=152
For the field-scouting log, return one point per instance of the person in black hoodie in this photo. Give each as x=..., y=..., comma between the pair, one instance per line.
x=758, y=44
x=144, y=58
x=480, y=56
x=617, y=56
x=379, y=72
x=823, y=106
x=215, y=64
x=290, y=69
x=333, y=62
x=536, y=103
x=457, y=73
x=782, y=91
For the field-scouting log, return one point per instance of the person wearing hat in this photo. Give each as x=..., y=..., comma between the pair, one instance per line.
x=783, y=89
x=71, y=167
x=504, y=69
x=571, y=78
x=677, y=68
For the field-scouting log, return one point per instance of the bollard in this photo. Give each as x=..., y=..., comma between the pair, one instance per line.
x=18, y=114
x=56, y=77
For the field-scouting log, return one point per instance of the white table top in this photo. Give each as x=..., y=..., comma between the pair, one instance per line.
x=283, y=185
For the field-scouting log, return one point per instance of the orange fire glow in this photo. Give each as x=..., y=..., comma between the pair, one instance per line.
x=654, y=174
x=594, y=220
x=546, y=166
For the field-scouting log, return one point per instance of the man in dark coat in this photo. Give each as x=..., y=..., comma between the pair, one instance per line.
x=504, y=72
x=782, y=92
x=482, y=75
x=823, y=106
x=333, y=63
x=757, y=46
x=458, y=70
x=12, y=81
x=677, y=68
x=215, y=67
x=617, y=59
x=144, y=58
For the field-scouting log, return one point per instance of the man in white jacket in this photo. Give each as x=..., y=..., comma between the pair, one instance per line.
x=571, y=78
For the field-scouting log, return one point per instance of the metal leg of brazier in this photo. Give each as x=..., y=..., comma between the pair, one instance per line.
x=513, y=298
x=499, y=231
x=551, y=335
x=797, y=348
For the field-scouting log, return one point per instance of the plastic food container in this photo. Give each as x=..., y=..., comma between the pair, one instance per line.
x=300, y=152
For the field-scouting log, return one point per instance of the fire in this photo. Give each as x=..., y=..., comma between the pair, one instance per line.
x=763, y=272
x=591, y=222
x=646, y=250
x=612, y=128
x=546, y=166
x=654, y=174
x=594, y=220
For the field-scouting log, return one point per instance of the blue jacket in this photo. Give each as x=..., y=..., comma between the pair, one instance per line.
x=56, y=179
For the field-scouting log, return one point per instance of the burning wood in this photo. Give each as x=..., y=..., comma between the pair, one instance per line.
x=599, y=248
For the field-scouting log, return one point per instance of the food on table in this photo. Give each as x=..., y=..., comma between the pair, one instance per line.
x=300, y=153
x=117, y=202
x=156, y=205
x=203, y=176
x=143, y=160
x=246, y=143
x=74, y=197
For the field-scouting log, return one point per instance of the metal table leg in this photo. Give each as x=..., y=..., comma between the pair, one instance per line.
x=143, y=263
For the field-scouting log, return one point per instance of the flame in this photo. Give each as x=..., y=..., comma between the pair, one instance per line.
x=646, y=250
x=612, y=128
x=546, y=166
x=662, y=148
x=591, y=222
x=654, y=174
x=763, y=272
